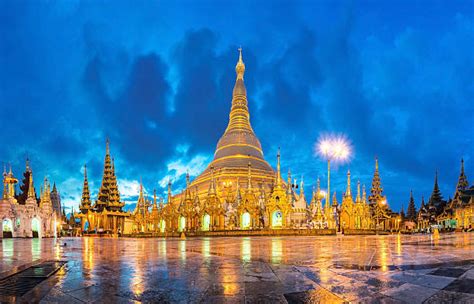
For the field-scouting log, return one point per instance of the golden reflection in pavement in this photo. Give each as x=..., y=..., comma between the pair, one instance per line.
x=88, y=253
x=399, y=244
x=206, y=250
x=246, y=250
x=325, y=275
x=230, y=289
x=36, y=249
x=162, y=248
x=276, y=251
x=182, y=249
x=383, y=254
x=7, y=248
x=137, y=277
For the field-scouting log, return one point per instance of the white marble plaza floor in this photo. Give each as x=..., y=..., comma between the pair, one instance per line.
x=329, y=269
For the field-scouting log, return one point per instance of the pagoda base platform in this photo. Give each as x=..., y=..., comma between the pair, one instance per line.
x=240, y=233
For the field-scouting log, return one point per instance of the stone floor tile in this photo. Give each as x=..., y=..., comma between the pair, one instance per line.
x=252, y=269
x=444, y=296
x=379, y=299
x=265, y=299
x=410, y=293
x=461, y=285
x=318, y=295
x=468, y=274
x=224, y=300
x=449, y=272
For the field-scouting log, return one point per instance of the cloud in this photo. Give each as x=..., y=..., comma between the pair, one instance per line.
x=159, y=86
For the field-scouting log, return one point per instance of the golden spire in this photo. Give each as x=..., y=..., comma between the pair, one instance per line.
x=238, y=195
x=86, y=198
x=239, y=144
x=334, y=199
x=348, y=190
x=278, y=181
x=107, y=148
x=187, y=191
x=240, y=66
x=169, y=192
x=108, y=193
x=141, y=187
x=302, y=186
x=212, y=186
x=358, y=191
x=31, y=189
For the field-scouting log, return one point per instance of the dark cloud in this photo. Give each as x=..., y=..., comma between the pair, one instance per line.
x=155, y=78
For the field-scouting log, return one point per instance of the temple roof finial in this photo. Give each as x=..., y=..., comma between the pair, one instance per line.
x=240, y=67
x=107, y=148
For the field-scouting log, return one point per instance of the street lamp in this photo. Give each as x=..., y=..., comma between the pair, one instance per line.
x=336, y=148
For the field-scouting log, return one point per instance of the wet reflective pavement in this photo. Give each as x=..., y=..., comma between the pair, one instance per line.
x=330, y=269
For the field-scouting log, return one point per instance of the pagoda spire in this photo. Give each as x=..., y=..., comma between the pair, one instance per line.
x=278, y=179
x=376, y=190
x=31, y=188
x=240, y=66
x=348, y=187
x=107, y=147
x=334, y=200
x=212, y=185
x=462, y=180
x=108, y=192
x=27, y=165
x=187, y=191
x=238, y=195
x=155, y=205
x=436, y=196
x=302, y=186
x=411, y=210
x=358, y=192
x=141, y=207
x=422, y=205
x=169, y=192
x=86, y=198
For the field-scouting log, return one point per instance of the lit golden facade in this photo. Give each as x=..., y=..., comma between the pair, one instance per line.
x=239, y=189
x=459, y=212
x=106, y=215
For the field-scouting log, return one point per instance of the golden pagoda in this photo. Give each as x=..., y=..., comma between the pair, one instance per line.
x=106, y=215
x=238, y=189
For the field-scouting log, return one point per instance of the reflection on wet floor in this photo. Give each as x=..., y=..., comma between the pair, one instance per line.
x=276, y=269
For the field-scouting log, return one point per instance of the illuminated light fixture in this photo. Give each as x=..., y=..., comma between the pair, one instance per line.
x=333, y=148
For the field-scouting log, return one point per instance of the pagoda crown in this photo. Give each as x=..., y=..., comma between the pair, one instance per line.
x=109, y=196
x=86, y=197
x=239, y=144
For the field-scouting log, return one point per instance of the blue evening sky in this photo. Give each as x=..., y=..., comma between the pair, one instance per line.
x=156, y=77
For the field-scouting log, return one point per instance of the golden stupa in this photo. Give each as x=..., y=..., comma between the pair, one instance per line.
x=238, y=152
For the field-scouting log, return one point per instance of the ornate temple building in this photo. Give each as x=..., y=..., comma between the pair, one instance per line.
x=452, y=214
x=238, y=190
x=105, y=215
x=26, y=215
x=456, y=213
